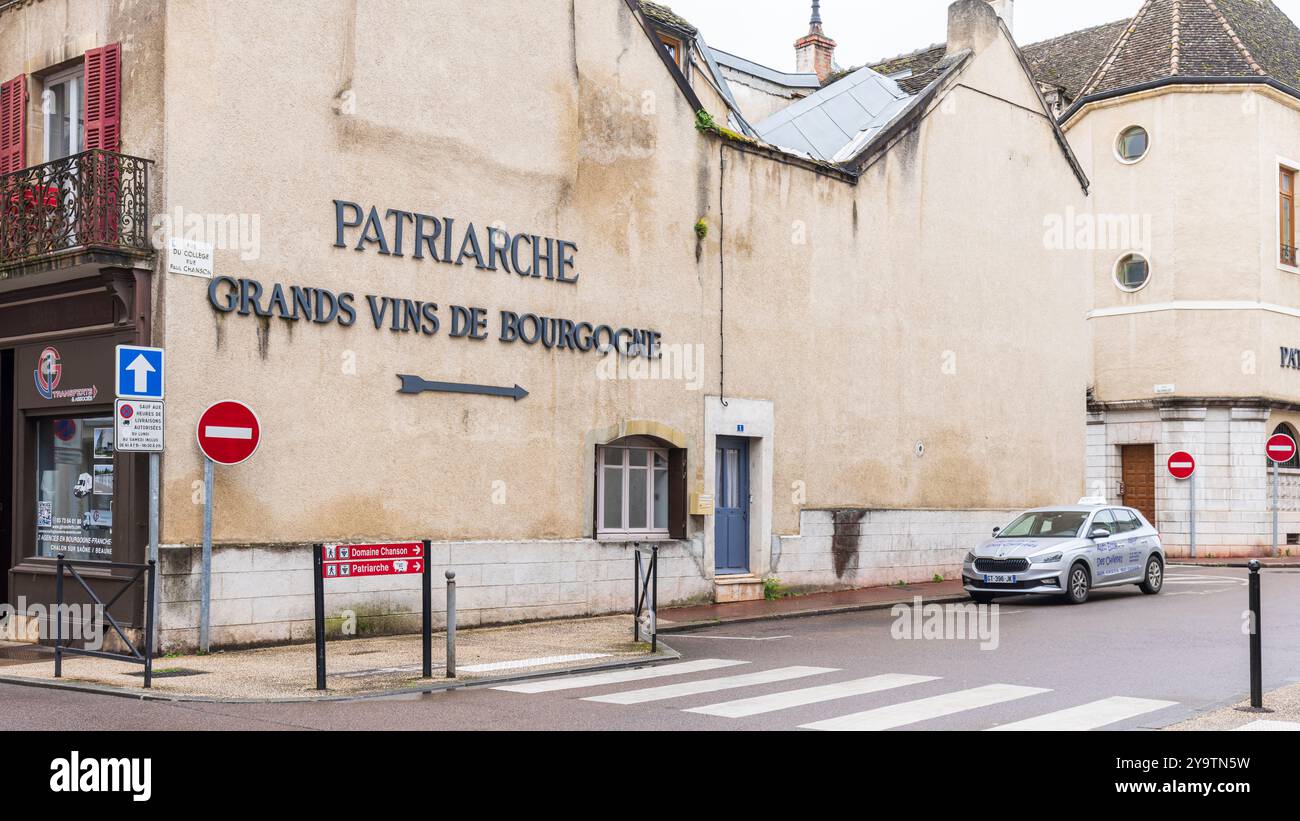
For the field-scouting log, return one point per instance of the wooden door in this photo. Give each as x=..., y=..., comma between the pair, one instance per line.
x=1138, y=474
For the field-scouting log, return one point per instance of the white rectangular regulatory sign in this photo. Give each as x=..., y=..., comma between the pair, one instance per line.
x=189, y=257
x=138, y=426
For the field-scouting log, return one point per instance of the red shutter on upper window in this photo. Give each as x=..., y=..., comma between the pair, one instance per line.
x=104, y=97
x=13, y=124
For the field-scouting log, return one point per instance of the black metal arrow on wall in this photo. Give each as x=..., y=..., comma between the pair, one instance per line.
x=416, y=384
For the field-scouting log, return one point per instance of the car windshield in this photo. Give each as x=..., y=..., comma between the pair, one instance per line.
x=1046, y=524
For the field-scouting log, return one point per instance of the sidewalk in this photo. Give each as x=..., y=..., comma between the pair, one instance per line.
x=679, y=619
x=1284, y=702
x=1233, y=561
x=355, y=667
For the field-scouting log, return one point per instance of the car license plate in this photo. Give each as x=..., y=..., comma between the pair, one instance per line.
x=999, y=579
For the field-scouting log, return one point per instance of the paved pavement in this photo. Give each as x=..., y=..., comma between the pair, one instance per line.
x=1122, y=661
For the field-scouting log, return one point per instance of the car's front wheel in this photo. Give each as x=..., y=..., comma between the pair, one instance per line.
x=1154, y=579
x=1079, y=584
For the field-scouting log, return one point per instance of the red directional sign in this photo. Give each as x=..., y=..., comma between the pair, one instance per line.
x=229, y=432
x=1281, y=448
x=377, y=567
x=360, y=552
x=1182, y=465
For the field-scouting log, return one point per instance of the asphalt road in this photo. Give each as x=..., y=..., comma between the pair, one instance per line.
x=1122, y=661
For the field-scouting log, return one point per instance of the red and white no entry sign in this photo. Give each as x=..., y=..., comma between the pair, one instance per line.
x=1281, y=448
x=1182, y=465
x=229, y=432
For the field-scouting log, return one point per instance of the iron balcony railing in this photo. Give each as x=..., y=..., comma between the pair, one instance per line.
x=92, y=200
x=1289, y=255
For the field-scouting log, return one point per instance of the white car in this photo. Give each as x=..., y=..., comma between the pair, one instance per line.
x=1067, y=551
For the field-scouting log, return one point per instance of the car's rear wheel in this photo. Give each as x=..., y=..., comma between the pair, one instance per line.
x=1154, y=579
x=1078, y=585
x=981, y=598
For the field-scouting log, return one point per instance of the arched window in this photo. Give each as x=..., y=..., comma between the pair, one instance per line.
x=1294, y=463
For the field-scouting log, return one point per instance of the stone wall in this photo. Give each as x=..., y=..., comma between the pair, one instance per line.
x=851, y=548
x=262, y=595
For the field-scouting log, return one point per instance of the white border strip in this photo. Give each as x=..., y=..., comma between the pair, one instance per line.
x=1208, y=305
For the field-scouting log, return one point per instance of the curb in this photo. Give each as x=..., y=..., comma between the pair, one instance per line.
x=1264, y=564
x=666, y=654
x=688, y=626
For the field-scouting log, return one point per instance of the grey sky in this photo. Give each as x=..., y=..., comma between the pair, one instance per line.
x=866, y=30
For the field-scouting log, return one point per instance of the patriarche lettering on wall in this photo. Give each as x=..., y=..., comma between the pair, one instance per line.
x=1291, y=358
x=397, y=233
x=248, y=297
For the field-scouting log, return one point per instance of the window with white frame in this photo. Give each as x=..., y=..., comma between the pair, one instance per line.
x=631, y=491
x=63, y=104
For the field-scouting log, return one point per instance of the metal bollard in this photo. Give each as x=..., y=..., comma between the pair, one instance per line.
x=1256, y=662
x=451, y=624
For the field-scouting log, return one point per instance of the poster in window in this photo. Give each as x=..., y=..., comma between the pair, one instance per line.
x=103, y=480
x=45, y=514
x=103, y=443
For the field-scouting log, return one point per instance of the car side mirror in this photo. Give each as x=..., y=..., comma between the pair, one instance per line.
x=1099, y=533
x=996, y=531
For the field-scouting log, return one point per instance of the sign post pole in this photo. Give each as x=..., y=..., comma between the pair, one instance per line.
x=1182, y=466
x=205, y=583
x=427, y=596
x=154, y=459
x=1280, y=450
x=319, y=591
x=1274, y=552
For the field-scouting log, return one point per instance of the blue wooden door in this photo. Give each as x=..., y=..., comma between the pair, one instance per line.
x=731, y=507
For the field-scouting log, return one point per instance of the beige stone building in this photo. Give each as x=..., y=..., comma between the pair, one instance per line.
x=682, y=318
x=1185, y=119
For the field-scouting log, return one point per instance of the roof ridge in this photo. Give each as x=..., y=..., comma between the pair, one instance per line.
x=1232, y=34
x=1106, y=64
x=1176, y=37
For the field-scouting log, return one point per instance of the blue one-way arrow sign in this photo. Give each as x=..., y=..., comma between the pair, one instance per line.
x=139, y=372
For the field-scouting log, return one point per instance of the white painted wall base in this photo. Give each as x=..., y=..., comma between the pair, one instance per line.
x=263, y=595
x=846, y=549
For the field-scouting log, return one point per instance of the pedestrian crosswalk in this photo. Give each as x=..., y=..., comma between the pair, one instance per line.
x=905, y=709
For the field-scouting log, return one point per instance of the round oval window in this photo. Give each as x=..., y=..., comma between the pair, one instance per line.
x=1132, y=144
x=1132, y=272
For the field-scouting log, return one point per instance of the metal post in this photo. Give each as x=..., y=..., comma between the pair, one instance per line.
x=1191, y=490
x=55, y=617
x=636, y=594
x=1276, y=551
x=318, y=590
x=451, y=624
x=151, y=600
x=426, y=637
x=154, y=459
x=654, y=599
x=205, y=594
x=1256, y=650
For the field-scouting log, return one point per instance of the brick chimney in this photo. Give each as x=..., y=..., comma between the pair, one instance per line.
x=815, y=52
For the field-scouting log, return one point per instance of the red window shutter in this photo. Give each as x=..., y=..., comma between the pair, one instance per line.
x=104, y=97
x=13, y=124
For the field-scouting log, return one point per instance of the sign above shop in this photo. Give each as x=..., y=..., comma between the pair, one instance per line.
x=229, y=432
x=1182, y=465
x=139, y=372
x=138, y=426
